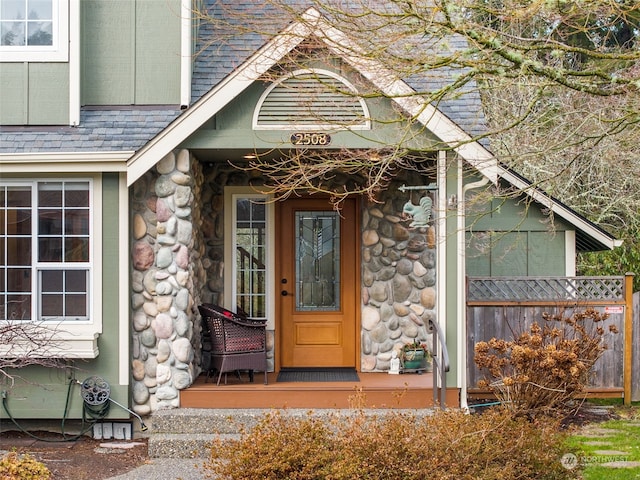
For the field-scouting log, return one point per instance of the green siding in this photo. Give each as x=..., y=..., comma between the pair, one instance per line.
x=34, y=93
x=511, y=237
x=44, y=393
x=48, y=94
x=158, y=55
x=121, y=66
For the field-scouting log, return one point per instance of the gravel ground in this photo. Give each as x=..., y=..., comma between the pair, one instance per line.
x=165, y=469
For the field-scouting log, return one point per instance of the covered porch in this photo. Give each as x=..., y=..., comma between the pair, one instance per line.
x=373, y=390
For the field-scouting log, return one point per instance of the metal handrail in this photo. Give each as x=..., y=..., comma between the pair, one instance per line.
x=440, y=368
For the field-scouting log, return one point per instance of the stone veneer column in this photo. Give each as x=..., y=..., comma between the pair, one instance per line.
x=166, y=278
x=398, y=281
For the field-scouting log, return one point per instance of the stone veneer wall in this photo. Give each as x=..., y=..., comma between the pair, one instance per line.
x=216, y=177
x=167, y=277
x=398, y=277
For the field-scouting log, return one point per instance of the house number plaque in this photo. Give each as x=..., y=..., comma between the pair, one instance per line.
x=308, y=138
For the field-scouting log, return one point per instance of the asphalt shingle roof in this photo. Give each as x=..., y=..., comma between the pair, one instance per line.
x=100, y=130
x=128, y=128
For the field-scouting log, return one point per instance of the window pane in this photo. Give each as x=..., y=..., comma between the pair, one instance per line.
x=18, y=222
x=13, y=10
x=251, y=256
x=76, y=222
x=52, y=305
x=76, y=306
x=65, y=293
x=76, y=250
x=18, y=196
x=18, y=307
x=12, y=34
x=3, y=283
x=52, y=280
x=18, y=251
x=40, y=10
x=50, y=222
x=318, y=253
x=18, y=279
x=76, y=194
x=75, y=281
x=40, y=33
x=50, y=194
x=50, y=250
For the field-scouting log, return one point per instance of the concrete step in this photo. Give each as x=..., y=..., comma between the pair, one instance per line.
x=189, y=432
x=184, y=445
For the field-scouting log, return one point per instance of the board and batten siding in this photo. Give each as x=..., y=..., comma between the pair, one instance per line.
x=34, y=93
x=509, y=236
x=130, y=52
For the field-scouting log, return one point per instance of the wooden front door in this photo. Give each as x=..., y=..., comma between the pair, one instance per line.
x=317, y=260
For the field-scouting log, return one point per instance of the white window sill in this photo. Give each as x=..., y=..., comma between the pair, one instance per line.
x=70, y=346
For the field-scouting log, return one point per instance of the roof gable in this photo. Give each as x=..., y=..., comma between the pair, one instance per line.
x=312, y=24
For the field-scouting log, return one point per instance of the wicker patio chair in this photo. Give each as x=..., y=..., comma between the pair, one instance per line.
x=237, y=342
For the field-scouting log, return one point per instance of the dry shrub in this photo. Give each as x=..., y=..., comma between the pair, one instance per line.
x=446, y=445
x=543, y=370
x=25, y=467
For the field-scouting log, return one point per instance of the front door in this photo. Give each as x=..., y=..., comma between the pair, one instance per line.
x=317, y=261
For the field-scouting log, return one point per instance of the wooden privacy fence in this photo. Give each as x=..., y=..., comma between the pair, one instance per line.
x=499, y=306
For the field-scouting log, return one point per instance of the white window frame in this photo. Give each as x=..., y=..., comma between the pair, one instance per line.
x=71, y=338
x=231, y=196
x=58, y=52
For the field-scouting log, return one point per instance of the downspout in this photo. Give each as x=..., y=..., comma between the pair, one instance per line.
x=461, y=278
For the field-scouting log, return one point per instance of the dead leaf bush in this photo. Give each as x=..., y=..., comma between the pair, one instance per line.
x=544, y=369
x=446, y=445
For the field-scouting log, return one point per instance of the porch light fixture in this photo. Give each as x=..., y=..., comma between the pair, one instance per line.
x=250, y=156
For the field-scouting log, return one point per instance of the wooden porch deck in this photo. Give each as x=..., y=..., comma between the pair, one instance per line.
x=374, y=390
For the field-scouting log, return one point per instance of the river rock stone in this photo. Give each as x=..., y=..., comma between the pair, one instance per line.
x=142, y=256
x=137, y=370
x=166, y=164
x=148, y=338
x=164, y=351
x=166, y=392
x=370, y=237
x=163, y=374
x=182, y=379
x=370, y=317
x=182, y=350
x=401, y=288
x=428, y=298
x=163, y=325
x=140, y=393
x=140, y=321
x=183, y=161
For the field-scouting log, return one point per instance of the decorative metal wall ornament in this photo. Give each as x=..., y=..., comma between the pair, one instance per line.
x=421, y=213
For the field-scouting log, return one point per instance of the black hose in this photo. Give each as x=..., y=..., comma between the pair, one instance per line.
x=90, y=413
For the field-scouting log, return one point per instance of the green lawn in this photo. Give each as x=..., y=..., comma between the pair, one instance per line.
x=617, y=440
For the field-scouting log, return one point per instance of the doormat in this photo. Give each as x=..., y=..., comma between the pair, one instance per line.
x=318, y=375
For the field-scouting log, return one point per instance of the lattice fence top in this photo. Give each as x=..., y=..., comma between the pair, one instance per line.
x=547, y=289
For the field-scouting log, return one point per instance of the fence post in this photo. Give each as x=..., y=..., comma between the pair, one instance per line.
x=628, y=336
